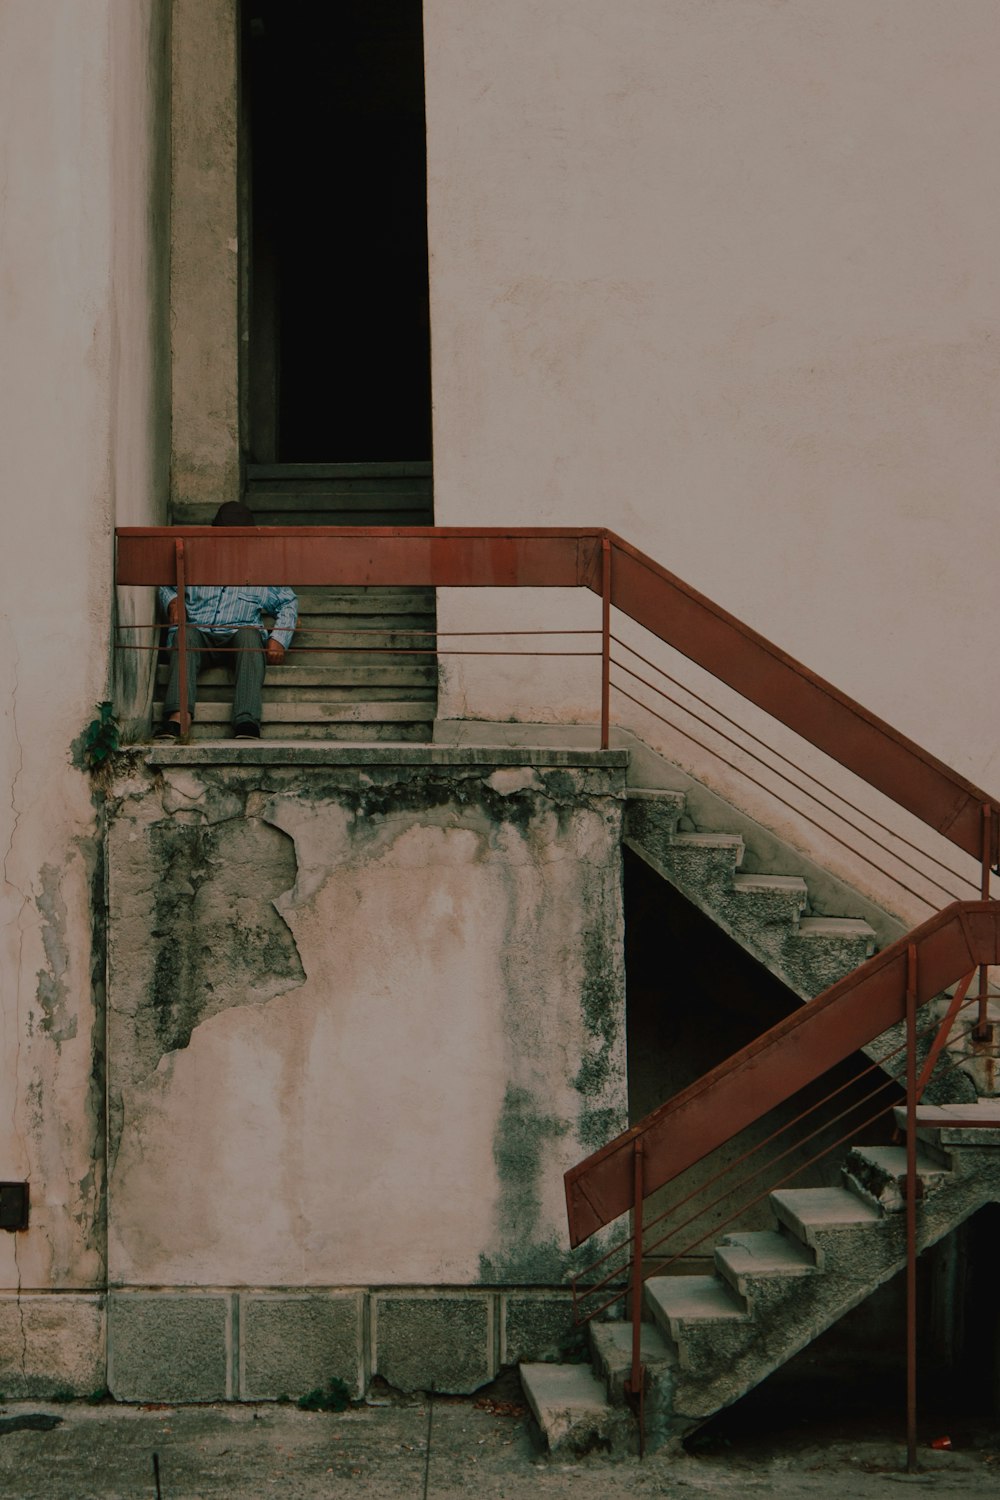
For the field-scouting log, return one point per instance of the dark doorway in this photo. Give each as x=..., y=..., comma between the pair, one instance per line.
x=338, y=366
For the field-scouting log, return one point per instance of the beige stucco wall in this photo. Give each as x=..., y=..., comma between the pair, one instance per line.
x=84, y=440
x=722, y=276
x=362, y=1016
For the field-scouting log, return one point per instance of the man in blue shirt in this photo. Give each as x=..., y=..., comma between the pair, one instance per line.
x=225, y=626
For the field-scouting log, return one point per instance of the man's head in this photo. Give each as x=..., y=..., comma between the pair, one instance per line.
x=234, y=513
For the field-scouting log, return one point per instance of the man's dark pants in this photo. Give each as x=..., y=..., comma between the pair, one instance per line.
x=242, y=653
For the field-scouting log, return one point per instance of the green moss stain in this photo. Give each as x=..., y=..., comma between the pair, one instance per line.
x=522, y=1137
x=217, y=939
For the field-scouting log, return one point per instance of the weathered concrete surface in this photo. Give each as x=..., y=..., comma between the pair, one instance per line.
x=85, y=438
x=451, y=1449
x=434, y=1343
x=168, y=1347
x=293, y=1343
x=52, y=1344
x=204, y=253
x=361, y=1019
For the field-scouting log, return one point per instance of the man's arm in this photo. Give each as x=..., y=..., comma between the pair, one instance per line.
x=168, y=602
x=285, y=607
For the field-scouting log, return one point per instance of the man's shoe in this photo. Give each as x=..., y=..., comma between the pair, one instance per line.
x=246, y=729
x=170, y=729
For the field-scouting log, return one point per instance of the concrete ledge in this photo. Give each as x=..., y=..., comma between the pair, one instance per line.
x=171, y=1346
x=51, y=1344
x=333, y=753
x=423, y=1341
x=292, y=1342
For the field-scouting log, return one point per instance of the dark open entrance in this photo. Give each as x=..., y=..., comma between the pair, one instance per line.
x=338, y=362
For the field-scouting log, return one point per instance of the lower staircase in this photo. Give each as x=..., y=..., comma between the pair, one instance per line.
x=709, y=1339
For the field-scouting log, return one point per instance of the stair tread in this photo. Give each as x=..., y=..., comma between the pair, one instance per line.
x=783, y=883
x=826, y=1207
x=892, y=1161
x=613, y=1344
x=318, y=713
x=839, y=927
x=293, y=676
x=569, y=1403
x=706, y=841
x=683, y=1299
x=763, y=1253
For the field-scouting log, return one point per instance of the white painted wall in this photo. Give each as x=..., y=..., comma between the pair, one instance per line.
x=83, y=438
x=722, y=276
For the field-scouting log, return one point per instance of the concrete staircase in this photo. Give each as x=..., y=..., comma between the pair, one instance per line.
x=329, y=687
x=710, y=1339
x=768, y=915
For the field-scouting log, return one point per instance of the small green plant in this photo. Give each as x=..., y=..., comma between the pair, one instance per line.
x=334, y=1396
x=101, y=738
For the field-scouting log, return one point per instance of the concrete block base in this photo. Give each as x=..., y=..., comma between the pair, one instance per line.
x=293, y=1342
x=171, y=1346
x=262, y=1344
x=51, y=1344
x=434, y=1342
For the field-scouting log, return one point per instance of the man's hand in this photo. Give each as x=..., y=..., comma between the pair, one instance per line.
x=172, y=612
x=274, y=653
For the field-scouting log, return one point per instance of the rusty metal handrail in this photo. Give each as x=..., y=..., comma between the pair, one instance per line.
x=778, y=1063
x=623, y=577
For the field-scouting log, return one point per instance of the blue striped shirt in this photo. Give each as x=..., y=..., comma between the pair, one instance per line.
x=224, y=608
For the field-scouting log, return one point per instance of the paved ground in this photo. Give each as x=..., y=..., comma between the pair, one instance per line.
x=453, y=1449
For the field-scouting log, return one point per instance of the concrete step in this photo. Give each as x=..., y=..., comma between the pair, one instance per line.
x=759, y=1263
x=877, y=1175
x=839, y=930
x=950, y=1126
x=572, y=1409
x=345, y=672
x=814, y=1214
x=352, y=732
x=319, y=713
x=611, y=1347
x=679, y=1302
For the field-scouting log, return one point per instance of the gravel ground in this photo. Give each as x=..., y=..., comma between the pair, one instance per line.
x=453, y=1449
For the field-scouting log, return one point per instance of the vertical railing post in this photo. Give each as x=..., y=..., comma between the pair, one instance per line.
x=911, y=1208
x=982, y=1028
x=605, y=641
x=636, y=1381
x=180, y=639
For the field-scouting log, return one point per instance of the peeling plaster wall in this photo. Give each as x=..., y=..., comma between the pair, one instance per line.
x=84, y=428
x=361, y=1020
x=722, y=276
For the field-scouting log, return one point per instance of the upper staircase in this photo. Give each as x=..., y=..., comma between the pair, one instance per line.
x=361, y=666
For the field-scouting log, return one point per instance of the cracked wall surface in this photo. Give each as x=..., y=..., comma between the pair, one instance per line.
x=361, y=1020
x=83, y=444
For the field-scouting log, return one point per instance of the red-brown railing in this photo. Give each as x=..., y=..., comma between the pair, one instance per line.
x=887, y=989
x=519, y=557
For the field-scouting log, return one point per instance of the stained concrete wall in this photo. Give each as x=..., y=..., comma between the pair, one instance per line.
x=722, y=277
x=85, y=431
x=204, y=253
x=365, y=1008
